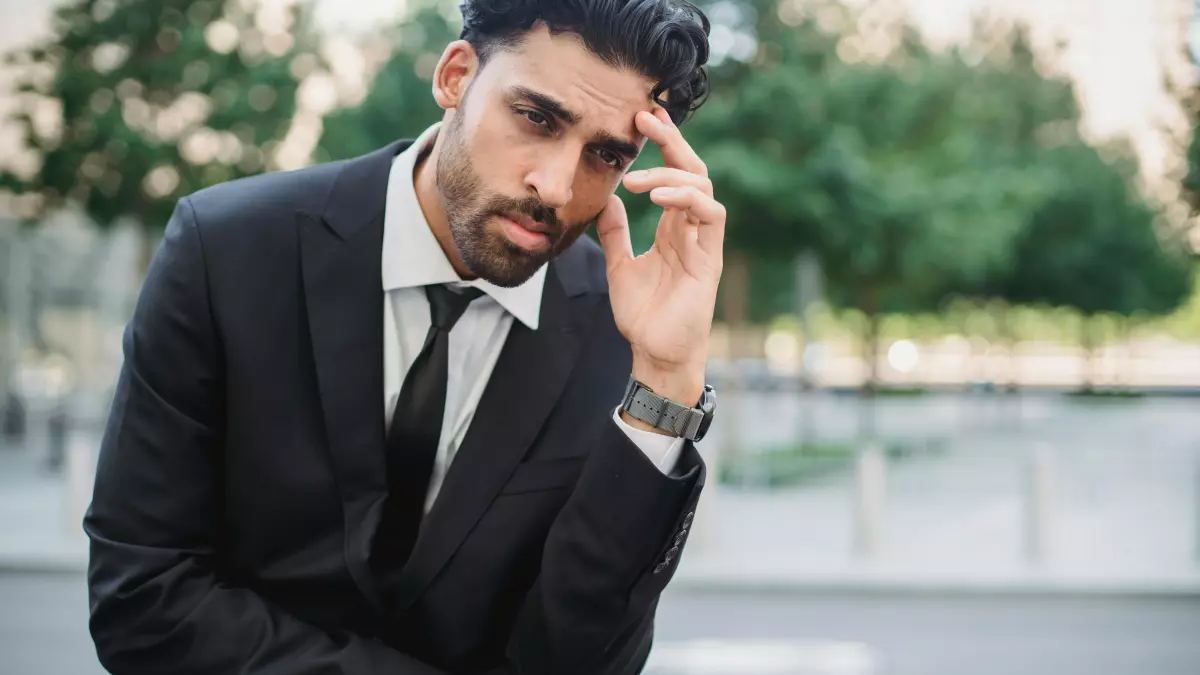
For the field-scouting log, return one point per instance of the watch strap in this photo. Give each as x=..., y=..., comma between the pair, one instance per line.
x=661, y=413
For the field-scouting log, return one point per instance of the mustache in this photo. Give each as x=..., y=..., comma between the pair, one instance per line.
x=528, y=206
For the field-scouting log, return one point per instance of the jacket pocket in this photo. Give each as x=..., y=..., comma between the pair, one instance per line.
x=544, y=474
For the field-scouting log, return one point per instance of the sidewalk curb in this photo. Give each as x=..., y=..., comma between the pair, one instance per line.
x=805, y=583
x=17, y=563
x=899, y=584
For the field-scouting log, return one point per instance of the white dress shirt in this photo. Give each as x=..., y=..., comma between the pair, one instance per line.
x=412, y=258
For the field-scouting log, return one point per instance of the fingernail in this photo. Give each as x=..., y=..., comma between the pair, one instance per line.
x=636, y=174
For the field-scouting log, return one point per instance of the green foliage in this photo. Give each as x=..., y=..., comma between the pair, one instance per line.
x=916, y=177
x=810, y=462
x=909, y=177
x=400, y=103
x=149, y=100
x=1095, y=244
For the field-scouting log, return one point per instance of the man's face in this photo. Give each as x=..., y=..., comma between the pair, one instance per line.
x=532, y=152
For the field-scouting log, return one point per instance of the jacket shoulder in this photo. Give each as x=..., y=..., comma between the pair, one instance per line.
x=264, y=198
x=581, y=268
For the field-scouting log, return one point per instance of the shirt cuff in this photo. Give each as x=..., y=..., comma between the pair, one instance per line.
x=662, y=451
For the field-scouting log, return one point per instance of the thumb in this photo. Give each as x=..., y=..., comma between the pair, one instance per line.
x=613, y=228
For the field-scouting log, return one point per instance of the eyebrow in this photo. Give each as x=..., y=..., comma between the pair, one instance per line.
x=547, y=104
x=551, y=106
x=616, y=145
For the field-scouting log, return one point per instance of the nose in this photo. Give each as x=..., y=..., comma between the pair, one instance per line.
x=553, y=176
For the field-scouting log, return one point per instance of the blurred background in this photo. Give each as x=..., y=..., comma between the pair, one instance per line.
x=958, y=340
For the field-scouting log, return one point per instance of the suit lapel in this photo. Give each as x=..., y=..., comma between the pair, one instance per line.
x=529, y=376
x=341, y=265
x=341, y=268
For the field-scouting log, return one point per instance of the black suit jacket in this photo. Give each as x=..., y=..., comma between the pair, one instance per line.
x=242, y=469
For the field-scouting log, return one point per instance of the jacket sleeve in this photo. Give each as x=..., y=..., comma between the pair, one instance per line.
x=156, y=606
x=609, y=554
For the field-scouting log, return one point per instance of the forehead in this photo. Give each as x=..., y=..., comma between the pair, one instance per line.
x=562, y=67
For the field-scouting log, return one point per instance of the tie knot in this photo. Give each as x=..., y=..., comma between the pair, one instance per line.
x=446, y=306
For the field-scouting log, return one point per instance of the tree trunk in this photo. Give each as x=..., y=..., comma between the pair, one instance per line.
x=735, y=293
x=869, y=304
x=1087, y=340
x=1125, y=334
x=16, y=288
x=149, y=246
x=808, y=293
x=1003, y=316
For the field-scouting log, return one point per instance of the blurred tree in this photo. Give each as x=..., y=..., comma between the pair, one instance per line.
x=400, y=102
x=1099, y=247
x=132, y=104
x=1191, y=179
x=908, y=172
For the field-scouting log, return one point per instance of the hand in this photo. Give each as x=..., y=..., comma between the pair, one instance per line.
x=663, y=300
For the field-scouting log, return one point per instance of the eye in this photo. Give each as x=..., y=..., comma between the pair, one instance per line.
x=535, y=118
x=610, y=158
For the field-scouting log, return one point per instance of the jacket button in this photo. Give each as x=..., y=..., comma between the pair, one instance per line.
x=687, y=520
x=678, y=539
x=672, y=553
x=659, y=567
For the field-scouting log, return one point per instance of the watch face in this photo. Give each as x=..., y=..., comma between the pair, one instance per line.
x=708, y=406
x=702, y=431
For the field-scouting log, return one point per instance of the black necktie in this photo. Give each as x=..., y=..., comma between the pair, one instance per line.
x=416, y=428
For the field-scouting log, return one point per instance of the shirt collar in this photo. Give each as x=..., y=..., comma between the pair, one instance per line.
x=412, y=256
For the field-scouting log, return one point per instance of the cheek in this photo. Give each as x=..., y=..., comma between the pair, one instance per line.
x=500, y=155
x=590, y=193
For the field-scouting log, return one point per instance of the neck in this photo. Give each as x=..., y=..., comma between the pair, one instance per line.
x=430, y=199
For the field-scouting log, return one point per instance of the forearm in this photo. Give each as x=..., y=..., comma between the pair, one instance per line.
x=604, y=563
x=156, y=606
x=156, y=612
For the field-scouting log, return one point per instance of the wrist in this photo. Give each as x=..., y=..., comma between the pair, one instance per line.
x=682, y=383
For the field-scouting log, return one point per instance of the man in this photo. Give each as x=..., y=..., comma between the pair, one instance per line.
x=371, y=418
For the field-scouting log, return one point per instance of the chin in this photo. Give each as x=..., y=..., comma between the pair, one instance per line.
x=502, y=264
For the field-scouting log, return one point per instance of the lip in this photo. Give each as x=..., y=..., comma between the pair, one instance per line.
x=526, y=232
x=529, y=223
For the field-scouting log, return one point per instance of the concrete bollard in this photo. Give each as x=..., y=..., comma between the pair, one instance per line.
x=1039, y=506
x=81, y=454
x=38, y=439
x=702, y=542
x=80, y=476
x=870, y=502
x=1198, y=515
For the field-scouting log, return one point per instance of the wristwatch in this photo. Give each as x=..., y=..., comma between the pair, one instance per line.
x=643, y=404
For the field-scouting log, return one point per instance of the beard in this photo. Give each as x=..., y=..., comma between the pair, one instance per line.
x=469, y=208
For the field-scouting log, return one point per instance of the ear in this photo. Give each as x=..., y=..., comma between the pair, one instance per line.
x=454, y=72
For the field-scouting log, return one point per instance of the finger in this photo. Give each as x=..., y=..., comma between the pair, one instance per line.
x=677, y=152
x=671, y=227
x=700, y=208
x=638, y=182
x=612, y=226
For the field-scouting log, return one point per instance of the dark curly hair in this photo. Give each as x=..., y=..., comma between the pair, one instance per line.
x=666, y=40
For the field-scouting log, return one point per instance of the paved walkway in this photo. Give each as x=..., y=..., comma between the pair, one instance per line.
x=1119, y=509
x=40, y=527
